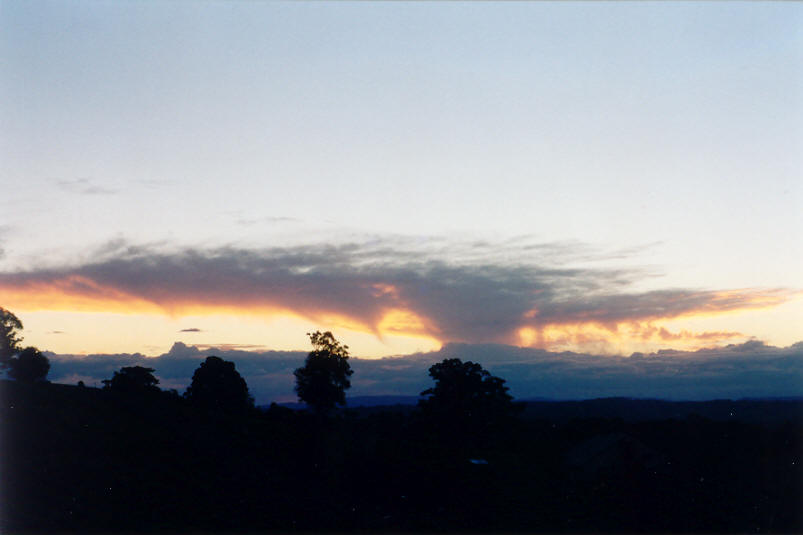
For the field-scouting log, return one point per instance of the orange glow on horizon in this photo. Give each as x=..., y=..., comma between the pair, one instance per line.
x=406, y=322
x=749, y=300
x=61, y=295
x=83, y=295
x=622, y=338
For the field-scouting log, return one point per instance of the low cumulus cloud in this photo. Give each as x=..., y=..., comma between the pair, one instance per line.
x=752, y=369
x=473, y=291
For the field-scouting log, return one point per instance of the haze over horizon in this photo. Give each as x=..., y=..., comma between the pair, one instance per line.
x=602, y=178
x=749, y=370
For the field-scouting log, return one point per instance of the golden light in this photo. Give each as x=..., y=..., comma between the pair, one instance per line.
x=528, y=337
x=73, y=293
x=392, y=329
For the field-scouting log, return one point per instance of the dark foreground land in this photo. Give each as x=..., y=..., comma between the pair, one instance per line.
x=84, y=459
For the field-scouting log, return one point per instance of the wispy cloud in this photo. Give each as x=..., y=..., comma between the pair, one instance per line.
x=468, y=292
x=191, y=330
x=84, y=186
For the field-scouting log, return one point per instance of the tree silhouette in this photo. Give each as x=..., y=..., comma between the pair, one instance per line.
x=216, y=384
x=10, y=326
x=132, y=379
x=322, y=382
x=29, y=366
x=467, y=402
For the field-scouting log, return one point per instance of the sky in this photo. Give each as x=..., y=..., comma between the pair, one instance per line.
x=602, y=178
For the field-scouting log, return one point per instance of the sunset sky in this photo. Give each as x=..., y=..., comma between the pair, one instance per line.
x=597, y=177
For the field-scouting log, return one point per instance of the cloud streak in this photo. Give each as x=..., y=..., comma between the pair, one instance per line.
x=84, y=186
x=470, y=292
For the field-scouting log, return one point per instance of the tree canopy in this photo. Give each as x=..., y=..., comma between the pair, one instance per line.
x=132, y=379
x=216, y=384
x=322, y=382
x=10, y=327
x=466, y=393
x=29, y=366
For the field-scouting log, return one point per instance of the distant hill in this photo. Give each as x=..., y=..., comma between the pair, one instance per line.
x=762, y=411
x=771, y=411
x=361, y=401
x=88, y=460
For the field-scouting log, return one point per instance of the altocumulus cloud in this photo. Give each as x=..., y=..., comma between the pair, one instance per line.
x=752, y=369
x=474, y=292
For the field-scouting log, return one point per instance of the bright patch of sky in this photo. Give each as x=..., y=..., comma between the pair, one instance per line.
x=254, y=124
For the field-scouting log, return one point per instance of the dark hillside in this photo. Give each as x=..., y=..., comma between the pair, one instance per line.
x=83, y=459
x=758, y=411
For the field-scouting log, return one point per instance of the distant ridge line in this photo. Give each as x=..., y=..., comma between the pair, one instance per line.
x=772, y=411
x=379, y=401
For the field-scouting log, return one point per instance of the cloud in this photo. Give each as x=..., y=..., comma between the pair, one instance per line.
x=84, y=186
x=752, y=369
x=466, y=292
x=191, y=330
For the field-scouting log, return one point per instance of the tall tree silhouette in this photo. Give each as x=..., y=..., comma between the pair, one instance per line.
x=29, y=366
x=10, y=326
x=467, y=403
x=216, y=384
x=465, y=387
x=132, y=379
x=322, y=382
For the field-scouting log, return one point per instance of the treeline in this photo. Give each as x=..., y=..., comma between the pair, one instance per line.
x=132, y=457
x=89, y=459
x=461, y=390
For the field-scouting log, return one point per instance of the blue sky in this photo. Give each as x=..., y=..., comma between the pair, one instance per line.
x=658, y=137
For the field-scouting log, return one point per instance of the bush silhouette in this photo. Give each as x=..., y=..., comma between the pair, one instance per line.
x=322, y=382
x=132, y=379
x=216, y=384
x=29, y=366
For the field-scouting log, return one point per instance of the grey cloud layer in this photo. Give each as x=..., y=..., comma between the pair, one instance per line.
x=747, y=370
x=471, y=292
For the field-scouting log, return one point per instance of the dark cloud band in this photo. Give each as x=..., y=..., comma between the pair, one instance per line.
x=471, y=292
